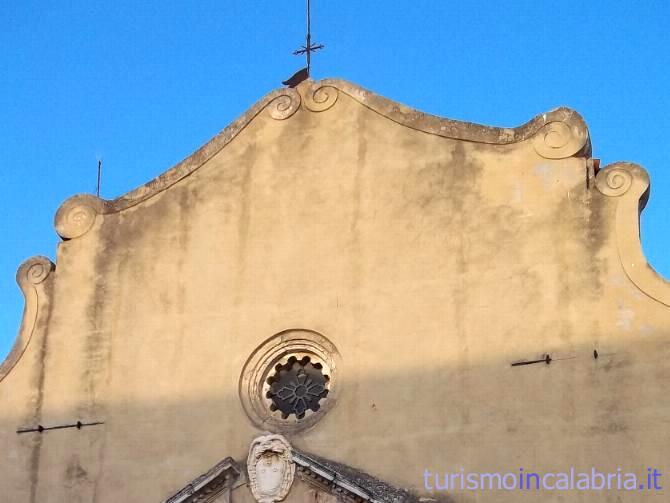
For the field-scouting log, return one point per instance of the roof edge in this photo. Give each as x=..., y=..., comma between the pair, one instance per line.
x=557, y=134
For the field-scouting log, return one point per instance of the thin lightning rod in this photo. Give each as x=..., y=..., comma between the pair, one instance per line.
x=99, y=177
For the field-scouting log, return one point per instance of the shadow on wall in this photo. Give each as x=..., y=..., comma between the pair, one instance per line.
x=578, y=411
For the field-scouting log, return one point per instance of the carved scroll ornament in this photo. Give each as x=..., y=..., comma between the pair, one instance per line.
x=628, y=185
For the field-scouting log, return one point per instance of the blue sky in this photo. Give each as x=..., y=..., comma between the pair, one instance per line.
x=144, y=84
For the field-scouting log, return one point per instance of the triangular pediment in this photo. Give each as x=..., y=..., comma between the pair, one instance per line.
x=326, y=481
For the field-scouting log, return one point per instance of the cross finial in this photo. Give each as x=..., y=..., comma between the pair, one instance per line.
x=308, y=48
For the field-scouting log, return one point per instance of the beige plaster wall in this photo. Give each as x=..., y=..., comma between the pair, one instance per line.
x=432, y=258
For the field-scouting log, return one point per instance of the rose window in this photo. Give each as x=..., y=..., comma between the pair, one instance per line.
x=290, y=381
x=297, y=386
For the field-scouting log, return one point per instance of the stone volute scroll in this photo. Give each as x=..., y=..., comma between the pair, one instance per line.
x=284, y=105
x=270, y=468
x=627, y=185
x=35, y=279
x=76, y=216
x=318, y=97
x=564, y=134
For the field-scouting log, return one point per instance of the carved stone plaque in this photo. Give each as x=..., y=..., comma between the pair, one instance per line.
x=270, y=468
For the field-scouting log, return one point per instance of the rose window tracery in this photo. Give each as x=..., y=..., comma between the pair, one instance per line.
x=297, y=386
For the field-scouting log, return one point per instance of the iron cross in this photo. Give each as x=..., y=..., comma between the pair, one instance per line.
x=308, y=48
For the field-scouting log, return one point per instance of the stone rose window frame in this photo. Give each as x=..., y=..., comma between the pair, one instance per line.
x=275, y=360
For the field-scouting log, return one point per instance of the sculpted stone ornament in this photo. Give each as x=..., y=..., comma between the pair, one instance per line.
x=270, y=467
x=627, y=184
x=76, y=216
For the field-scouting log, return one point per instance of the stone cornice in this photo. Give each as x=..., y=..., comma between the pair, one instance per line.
x=628, y=184
x=557, y=134
x=345, y=481
x=208, y=486
x=340, y=480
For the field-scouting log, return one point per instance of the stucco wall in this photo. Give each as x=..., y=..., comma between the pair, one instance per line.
x=432, y=254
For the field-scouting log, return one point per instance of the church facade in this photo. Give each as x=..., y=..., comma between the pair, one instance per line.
x=339, y=298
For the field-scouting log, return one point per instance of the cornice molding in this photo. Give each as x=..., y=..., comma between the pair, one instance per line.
x=206, y=488
x=344, y=482
x=347, y=483
x=557, y=134
x=628, y=184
